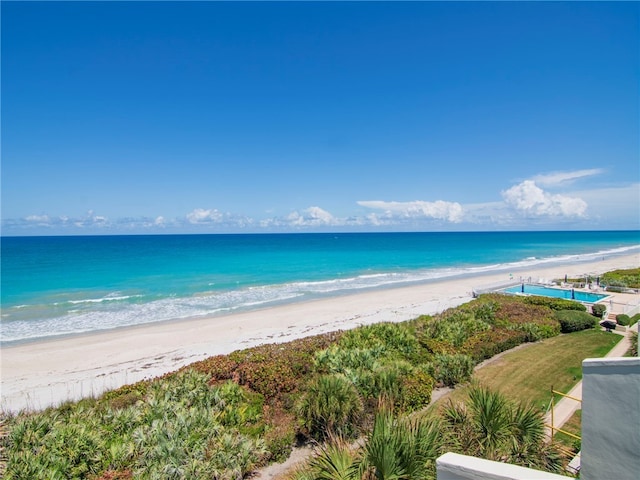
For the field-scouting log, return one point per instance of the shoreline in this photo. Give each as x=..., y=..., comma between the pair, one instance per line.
x=48, y=372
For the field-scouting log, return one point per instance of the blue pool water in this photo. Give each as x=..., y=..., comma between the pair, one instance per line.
x=580, y=296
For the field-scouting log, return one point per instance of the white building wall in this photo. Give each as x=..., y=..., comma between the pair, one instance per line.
x=453, y=466
x=610, y=419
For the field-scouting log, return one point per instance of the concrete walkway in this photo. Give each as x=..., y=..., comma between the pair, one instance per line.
x=566, y=407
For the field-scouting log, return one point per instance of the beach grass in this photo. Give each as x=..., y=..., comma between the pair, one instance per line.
x=528, y=373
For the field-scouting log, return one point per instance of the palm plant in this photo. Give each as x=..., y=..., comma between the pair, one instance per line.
x=234, y=455
x=335, y=460
x=491, y=427
x=491, y=419
x=331, y=406
x=402, y=448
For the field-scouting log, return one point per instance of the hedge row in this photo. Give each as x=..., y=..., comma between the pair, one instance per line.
x=574, y=321
x=626, y=320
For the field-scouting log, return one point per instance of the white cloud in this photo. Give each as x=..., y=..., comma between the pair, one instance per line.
x=42, y=220
x=202, y=216
x=560, y=178
x=92, y=220
x=527, y=197
x=441, y=210
x=522, y=206
x=312, y=216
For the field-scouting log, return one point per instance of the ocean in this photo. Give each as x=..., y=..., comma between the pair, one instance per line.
x=55, y=286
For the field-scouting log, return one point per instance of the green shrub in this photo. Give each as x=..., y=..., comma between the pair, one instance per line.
x=455, y=327
x=434, y=346
x=392, y=338
x=622, y=319
x=487, y=344
x=517, y=310
x=330, y=406
x=181, y=425
x=384, y=381
x=453, y=369
x=598, y=310
x=269, y=377
x=532, y=332
x=555, y=303
x=416, y=390
x=337, y=359
x=275, y=369
x=573, y=321
x=622, y=278
x=486, y=312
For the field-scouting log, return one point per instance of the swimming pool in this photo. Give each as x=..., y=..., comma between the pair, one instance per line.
x=528, y=289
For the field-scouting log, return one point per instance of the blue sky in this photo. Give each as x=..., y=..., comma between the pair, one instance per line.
x=163, y=117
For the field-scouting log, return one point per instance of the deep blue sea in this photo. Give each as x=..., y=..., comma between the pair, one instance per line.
x=53, y=286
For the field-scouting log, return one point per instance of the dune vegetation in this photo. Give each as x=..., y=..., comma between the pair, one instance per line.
x=360, y=395
x=628, y=278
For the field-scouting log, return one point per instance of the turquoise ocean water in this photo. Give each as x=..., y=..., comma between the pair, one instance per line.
x=52, y=286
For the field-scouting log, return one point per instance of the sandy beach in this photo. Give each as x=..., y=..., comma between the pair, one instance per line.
x=38, y=375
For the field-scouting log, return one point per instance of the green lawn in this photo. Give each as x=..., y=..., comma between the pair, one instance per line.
x=528, y=373
x=573, y=425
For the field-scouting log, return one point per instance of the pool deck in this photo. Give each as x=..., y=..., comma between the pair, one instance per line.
x=617, y=303
x=628, y=303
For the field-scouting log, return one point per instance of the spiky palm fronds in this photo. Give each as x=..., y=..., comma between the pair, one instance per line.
x=490, y=426
x=491, y=418
x=402, y=448
x=335, y=460
x=331, y=406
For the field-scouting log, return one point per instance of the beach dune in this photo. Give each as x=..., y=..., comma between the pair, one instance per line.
x=47, y=373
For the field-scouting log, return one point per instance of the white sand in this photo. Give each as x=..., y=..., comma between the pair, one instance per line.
x=38, y=375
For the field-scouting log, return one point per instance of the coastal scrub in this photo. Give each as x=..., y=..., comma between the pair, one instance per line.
x=230, y=414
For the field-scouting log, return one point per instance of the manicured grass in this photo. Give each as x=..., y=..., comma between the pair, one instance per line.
x=527, y=373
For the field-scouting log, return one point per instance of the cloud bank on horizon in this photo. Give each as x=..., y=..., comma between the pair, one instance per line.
x=525, y=205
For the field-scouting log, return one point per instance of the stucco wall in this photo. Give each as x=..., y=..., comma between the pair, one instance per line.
x=453, y=466
x=610, y=419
